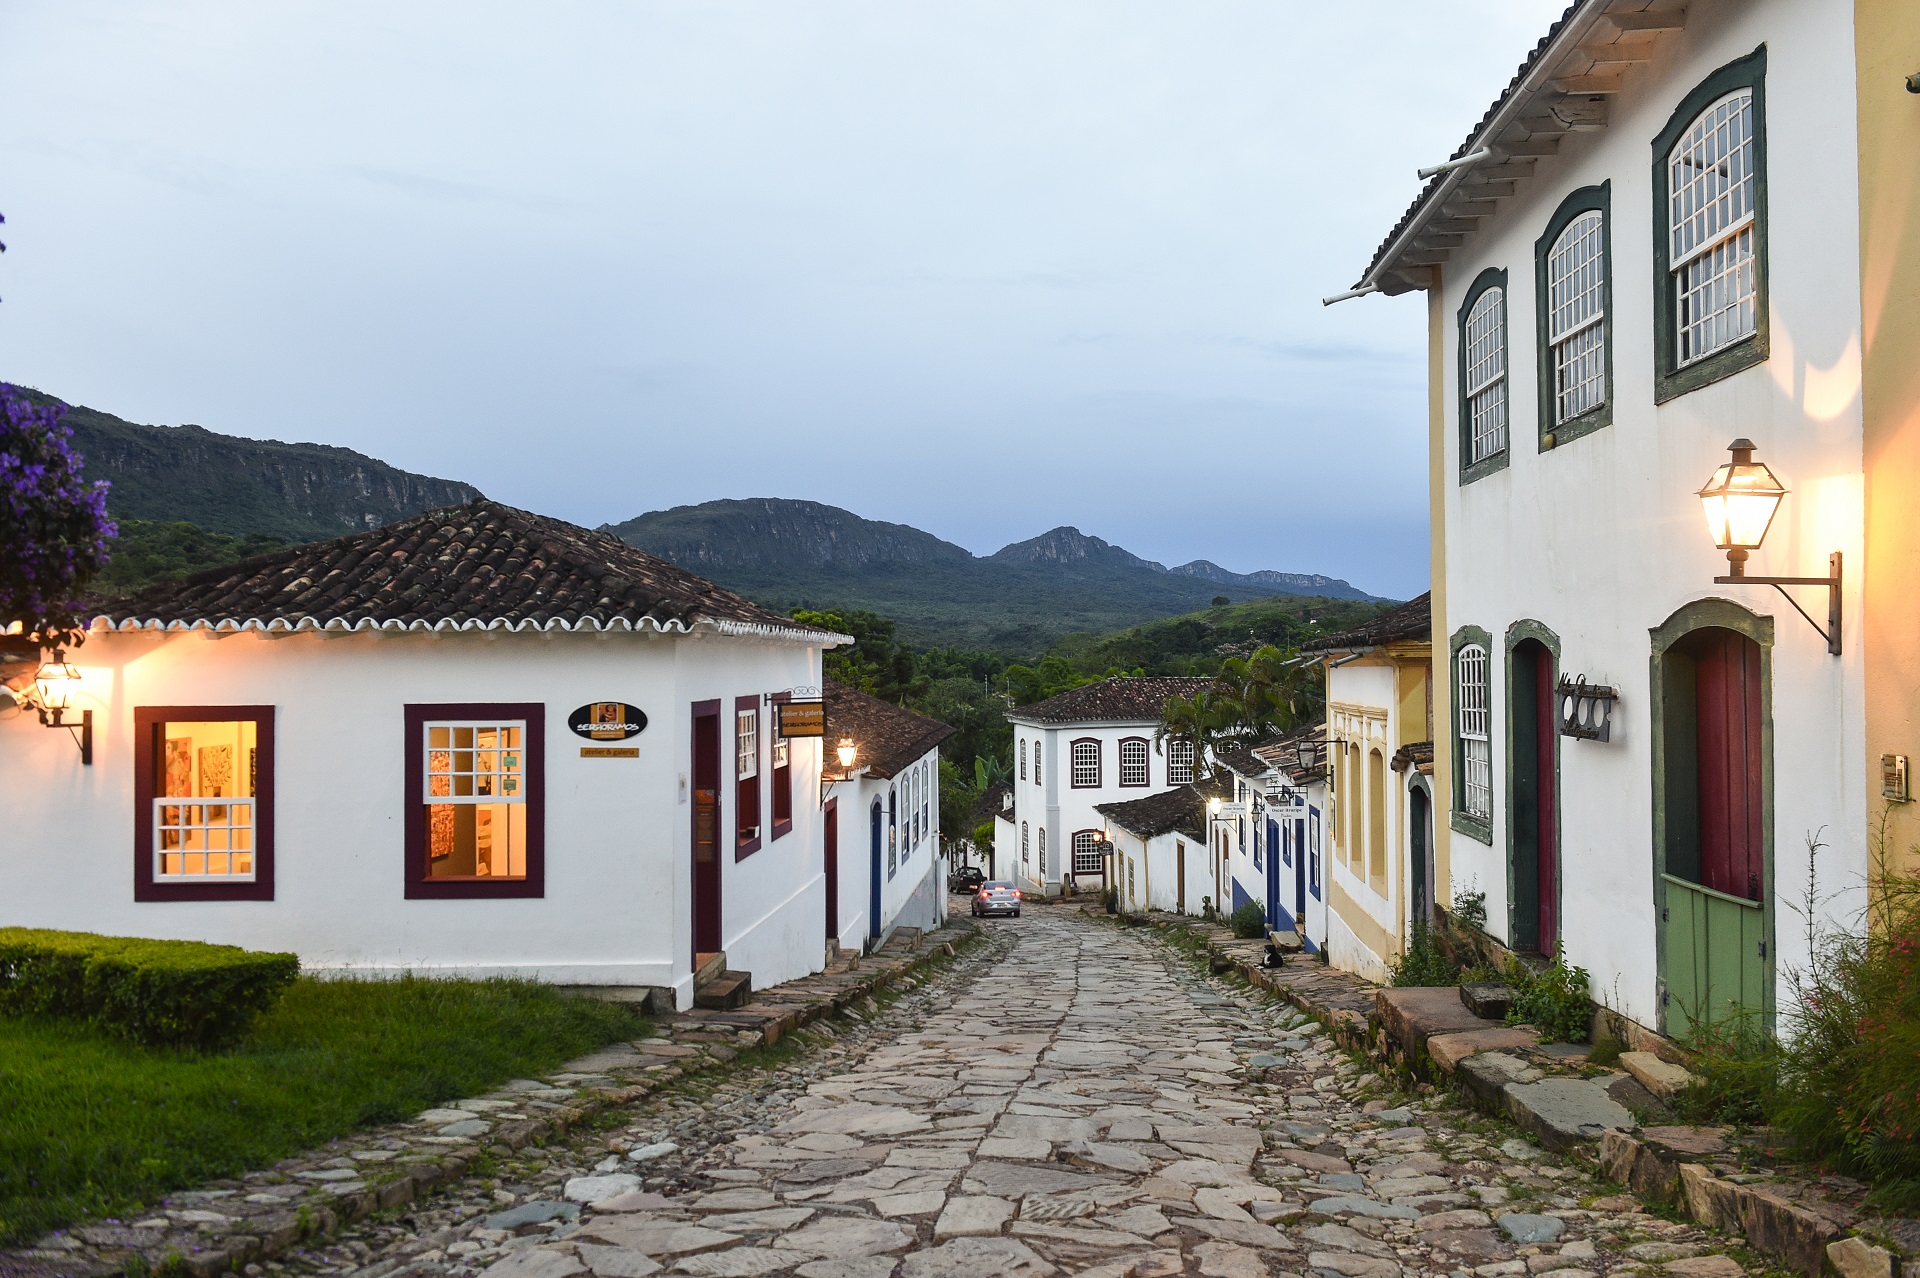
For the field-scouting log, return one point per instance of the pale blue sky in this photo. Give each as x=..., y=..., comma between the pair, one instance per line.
x=984, y=267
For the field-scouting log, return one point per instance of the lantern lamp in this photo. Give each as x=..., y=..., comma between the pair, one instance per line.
x=848, y=753
x=1740, y=501
x=54, y=686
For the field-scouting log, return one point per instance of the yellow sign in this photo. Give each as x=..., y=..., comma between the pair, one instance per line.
x=802, y=718
x=609, y=752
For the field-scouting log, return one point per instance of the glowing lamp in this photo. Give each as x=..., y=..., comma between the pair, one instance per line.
x=847, y=754
x=1740, y=501
x=56, y=683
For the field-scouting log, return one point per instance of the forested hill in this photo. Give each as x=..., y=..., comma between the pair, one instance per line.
x=799, y=554
x=248, y=487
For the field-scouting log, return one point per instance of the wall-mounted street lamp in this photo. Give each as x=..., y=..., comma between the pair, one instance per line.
x=848, y=754
x=53, y=689
x=1740, y=501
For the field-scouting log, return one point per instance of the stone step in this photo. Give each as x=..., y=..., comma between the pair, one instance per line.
x=724, y=992
x=708, y=966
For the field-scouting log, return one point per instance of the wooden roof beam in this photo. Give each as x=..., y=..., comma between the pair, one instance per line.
x=1648, y=20
x=1536, y=145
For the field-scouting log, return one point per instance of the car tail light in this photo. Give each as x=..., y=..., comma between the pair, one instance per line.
x=1016, y=894
x=984, y=894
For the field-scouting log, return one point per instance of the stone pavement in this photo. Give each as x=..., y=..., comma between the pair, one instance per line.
x=1070, y=1098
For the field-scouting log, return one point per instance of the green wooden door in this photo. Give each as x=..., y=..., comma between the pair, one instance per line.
x=1716, y=960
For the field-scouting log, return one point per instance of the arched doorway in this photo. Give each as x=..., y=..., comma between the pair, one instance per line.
x=1420, y=850
x=1712, y=811
x=1533, y=815
x=873, y=860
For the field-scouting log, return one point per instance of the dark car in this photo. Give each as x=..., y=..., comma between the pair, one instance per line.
x=967, y=878
x=996, y=898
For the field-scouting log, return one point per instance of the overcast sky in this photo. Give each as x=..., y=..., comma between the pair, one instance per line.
x=981, y=266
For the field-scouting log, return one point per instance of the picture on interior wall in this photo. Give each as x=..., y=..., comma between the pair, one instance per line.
x=179, y=767
x=216, y=770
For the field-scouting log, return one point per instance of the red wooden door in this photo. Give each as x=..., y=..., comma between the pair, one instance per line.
x=1727, y=721
x=831, y=826
x=706, y=828
x=1547, y=809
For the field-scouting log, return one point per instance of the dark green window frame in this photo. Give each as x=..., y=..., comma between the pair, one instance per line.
x=1457, y=816
x=1670, y=379
x=1492, y=277
x=1588, y=199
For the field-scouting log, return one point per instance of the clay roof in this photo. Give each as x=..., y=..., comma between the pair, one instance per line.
x=1243, y=757
x=1285, y=754
x=1123, y=699
x=994, y=800
x=890, y=738
x=1411, y=622
x=1415, y=754
x=1181, y=811
x=481, y=566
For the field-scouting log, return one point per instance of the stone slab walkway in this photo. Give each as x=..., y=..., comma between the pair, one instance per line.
x=1072, y=1099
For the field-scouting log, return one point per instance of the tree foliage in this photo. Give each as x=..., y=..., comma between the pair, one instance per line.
x=53, y=523
x=1251, y=698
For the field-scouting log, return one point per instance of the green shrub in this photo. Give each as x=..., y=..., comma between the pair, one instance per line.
x=1735, y=1066
x=174, y=993
x=1249, y=921
x=1557, y=1000
x=1424, y=963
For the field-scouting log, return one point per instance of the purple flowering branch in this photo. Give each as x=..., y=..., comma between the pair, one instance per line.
x=54, y=528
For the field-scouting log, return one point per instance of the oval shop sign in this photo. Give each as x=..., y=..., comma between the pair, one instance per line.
x=608, y=721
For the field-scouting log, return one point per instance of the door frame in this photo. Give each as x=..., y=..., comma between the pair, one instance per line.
x=698, y=894
x=1703, y=614
x=1517, y=633
x=874, y=820
x=1420, y=899
x=830, y=846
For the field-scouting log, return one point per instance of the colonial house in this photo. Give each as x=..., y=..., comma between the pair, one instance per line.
x=1072, y=752
x=1380, y=876
x=1288, y=877
x=1240, y=827
x=884, y=867
x=1703, y=217
x=474, y=742
x=1164, y=855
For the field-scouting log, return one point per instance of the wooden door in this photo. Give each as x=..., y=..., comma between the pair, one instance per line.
x=1534, y=843
x=706, y=828
x=1180, y=877
x=830, y=837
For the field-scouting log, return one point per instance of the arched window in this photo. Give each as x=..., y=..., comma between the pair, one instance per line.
x=1086, y=853
x=1472, y=723
x=1133, y=762
x=1043, y=853
x=1036, y=761
x=1023, y=758
x=1086, y=764
x=1179, y=761
x=1710, y=227
x=1483, y=339
x=1576, y=314
x=1377, y=820
x=1024, y=858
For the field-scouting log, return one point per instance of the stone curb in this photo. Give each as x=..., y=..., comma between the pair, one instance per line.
x=833, y=994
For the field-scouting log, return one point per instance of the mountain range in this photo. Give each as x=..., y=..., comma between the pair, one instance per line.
x=788, y=554
x=189, y=498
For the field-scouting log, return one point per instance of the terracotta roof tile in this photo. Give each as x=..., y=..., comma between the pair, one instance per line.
x=1181, y=811
x=890, y=738
x=1412, y=621
x=1123, y=699
x=478, y=566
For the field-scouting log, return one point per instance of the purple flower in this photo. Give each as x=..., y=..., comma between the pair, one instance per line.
x=54, y=528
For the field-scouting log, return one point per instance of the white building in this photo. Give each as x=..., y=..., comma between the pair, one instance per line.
x=1294, y=826
x=884, y=865
x=1166, y=851
x=475, y=742
x=1072, y=752
x=1678, y=228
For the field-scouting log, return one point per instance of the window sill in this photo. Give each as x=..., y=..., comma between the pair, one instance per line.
x=782, y=828
x=473, y=889
x=1472, y=827
x=260, y=889
x=1485, y=466
x=1737, y=358
x=1585, y=424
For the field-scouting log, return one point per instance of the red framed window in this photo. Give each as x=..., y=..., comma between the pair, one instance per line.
x=203, y=803
x=475, y=800
x=782, y=759
x=1086, y=764
x=746, y=776
x=1133, y=762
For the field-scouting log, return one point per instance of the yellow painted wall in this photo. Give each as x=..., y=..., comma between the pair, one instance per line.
x=1887, y=50
x=1442, y=725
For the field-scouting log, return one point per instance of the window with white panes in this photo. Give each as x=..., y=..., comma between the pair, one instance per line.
x=1577, y=317
x=1036, y=761
x=204, y=814
x=1025, y=858
x=1475, y=723
x=1711, y=189
x=1134, y=762
x=1485, y=336
x=476, y=799
x=1179, y=761
x=1086, y=765
x=1086, y=853
x=1023, y=758
x=1043, y=852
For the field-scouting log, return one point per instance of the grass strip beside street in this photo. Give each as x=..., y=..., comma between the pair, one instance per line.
x=91, y=1125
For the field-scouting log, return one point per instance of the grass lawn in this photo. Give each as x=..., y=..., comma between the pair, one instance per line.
x=90, y=1125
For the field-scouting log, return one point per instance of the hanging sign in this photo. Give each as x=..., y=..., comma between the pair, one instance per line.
x=608, y=721
x=801, y=718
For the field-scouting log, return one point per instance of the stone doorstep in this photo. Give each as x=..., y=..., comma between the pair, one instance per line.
x=1448, y=1050
x=278, y=1233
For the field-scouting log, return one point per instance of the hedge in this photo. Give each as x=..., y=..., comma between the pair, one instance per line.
x=162, y=993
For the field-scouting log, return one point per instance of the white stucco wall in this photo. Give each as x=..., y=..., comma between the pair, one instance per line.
x=618, y=832
x=1063, y=809
x=1602, y=539
x=914, y=895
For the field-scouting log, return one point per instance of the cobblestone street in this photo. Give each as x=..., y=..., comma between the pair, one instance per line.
x=1068, y=1098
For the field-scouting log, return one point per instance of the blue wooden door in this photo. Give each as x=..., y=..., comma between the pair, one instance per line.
x=873, y=903
x=1278, y=919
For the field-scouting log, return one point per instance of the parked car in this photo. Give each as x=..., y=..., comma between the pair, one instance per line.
x=967, y=878
x=996, y=898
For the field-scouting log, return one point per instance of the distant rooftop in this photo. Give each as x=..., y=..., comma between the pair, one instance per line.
x=1411, y=622
x=1123, y=699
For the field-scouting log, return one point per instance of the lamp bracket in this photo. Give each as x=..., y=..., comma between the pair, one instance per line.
x=82, y=732
x=1831, y=631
